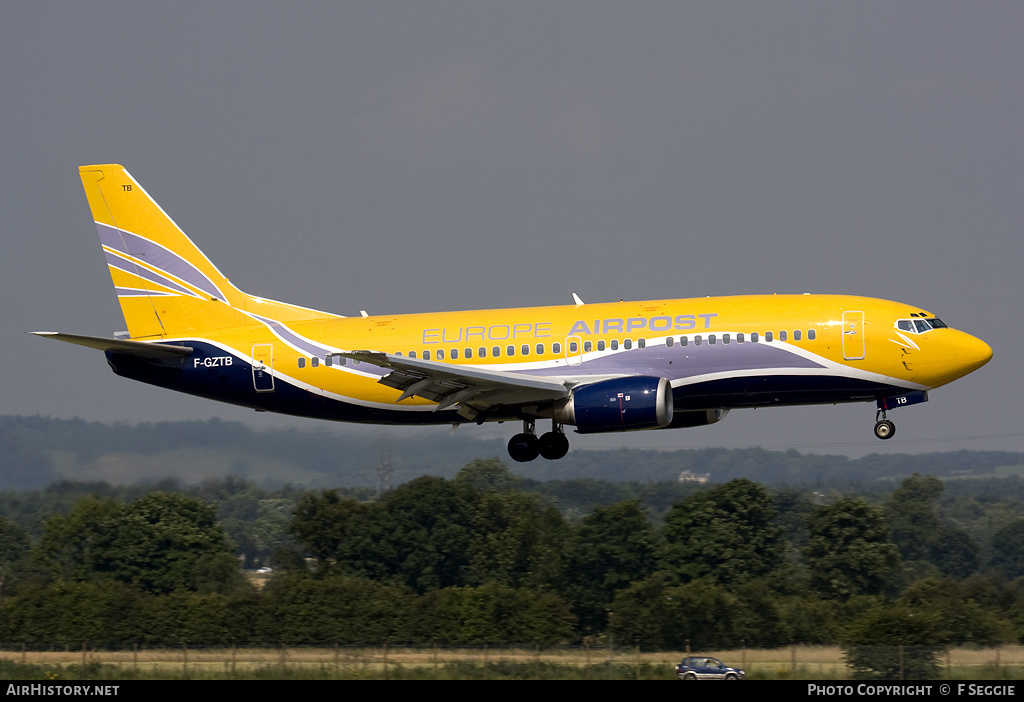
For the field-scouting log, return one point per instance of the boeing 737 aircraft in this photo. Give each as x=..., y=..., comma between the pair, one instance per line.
x=607, y=367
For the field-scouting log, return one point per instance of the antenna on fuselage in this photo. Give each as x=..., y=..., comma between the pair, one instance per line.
x=577, y=300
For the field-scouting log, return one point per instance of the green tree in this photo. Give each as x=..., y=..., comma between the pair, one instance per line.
x=494, y=614
x=894, y=642
x=489, y=474
x=653, y=613
x=1008, y=550
x=611, y=548
x=727, y=534
x=14, y=546
x=517, y=541
x=919, y=533
x=848, y=551
x=961, y=618
x=420, y=535
x=71, y=544
x=322, y=524
x=158, y=543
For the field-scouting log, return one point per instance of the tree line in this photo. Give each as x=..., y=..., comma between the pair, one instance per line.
x=38, y=451
x=487, y=558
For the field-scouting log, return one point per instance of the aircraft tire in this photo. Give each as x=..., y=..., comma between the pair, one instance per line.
x=523, y=447
x=885, y=429
x=553, y=445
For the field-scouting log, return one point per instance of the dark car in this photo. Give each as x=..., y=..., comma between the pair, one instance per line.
x=704, y=668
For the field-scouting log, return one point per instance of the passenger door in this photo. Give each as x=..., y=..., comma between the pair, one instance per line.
x=263, y=367
x=853, y=335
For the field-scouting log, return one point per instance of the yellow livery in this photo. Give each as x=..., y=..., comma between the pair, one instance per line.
x=603, y=367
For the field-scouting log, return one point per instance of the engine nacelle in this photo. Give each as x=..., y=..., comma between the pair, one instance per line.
x=696, y=418
x=619, y=404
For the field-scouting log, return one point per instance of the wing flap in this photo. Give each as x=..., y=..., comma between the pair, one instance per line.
x=449, y=384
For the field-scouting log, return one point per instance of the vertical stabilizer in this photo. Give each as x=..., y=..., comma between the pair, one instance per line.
x=166, y=286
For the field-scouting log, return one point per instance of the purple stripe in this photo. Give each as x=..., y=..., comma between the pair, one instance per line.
x=146, y=274
x=136, y=292
x=688, y=361
x=292, y=338
x=158, y=257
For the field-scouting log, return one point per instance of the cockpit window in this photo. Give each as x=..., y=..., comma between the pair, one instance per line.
x=920, y=326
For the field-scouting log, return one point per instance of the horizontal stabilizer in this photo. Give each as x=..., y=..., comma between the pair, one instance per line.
x=143, y=349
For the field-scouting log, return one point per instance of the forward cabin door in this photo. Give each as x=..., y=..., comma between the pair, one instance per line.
x=853, y=335
x=263, y=367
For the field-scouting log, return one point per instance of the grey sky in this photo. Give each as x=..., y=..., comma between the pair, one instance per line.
x=419, y=156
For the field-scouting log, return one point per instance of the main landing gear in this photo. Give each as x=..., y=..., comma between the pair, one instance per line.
x=526, y=446
x=884, y=428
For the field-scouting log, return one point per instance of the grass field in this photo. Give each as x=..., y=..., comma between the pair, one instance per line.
x=797, y=662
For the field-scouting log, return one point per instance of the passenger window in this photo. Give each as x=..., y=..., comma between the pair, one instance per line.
x=669, y=341
x=496, y=351
x=482, y=352
x=454, y=354
x=468, y=353
x=753, y=337
x=525, y=349
x=767, y=336
x=725, y=338
x=796, y=335
x=683, y=341
x=329, y=360
x=412, y=354
x=426, y=355
x=641, y=343
x=510, y=350
x=588, y=346
x=302, y=362
x=315, y=361
x=811, y=334
x=600, y=345
x=782, y=335
x=573, y=346
x=615, y=344
x=540, y=349
x=697, y=340
x=440, y=354
x=556, y=347
x=627, y=344
x=739, y=338
x=712, y=340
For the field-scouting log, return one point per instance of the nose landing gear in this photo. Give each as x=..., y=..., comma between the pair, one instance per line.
x=884, y=428
x=526, y=446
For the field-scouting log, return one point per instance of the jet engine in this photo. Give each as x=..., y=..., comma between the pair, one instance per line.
x=619, y=404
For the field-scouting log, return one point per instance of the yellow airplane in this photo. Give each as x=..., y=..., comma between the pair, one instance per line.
x=606, y=367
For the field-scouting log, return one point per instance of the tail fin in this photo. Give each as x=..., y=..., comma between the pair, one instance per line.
x=167, y=287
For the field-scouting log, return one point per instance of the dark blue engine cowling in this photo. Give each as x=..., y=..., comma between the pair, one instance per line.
x=619, y=404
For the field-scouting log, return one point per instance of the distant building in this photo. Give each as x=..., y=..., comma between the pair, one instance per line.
x=690, y=477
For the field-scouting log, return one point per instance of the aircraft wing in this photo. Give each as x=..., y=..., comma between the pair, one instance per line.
x=448, y=384
x=143, y=349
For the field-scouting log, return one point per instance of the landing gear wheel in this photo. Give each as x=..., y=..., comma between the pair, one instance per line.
x=553, y=445
x=885, y=429
x=523, y=447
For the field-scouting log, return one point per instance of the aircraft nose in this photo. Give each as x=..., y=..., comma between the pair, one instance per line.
x=972, y=353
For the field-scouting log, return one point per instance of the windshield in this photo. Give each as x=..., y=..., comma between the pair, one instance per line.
x=920, y=325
